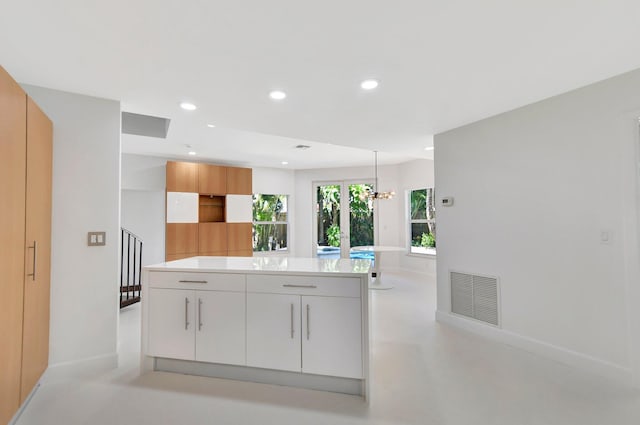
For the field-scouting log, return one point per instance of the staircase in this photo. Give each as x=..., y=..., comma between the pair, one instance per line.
x=130, y=267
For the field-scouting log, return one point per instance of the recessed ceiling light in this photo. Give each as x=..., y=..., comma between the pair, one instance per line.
x=192, y=153
x=428, y=148
x=277, y=95
x=284, y=162
x=188, y=106
x=369, y=84
x=210, y=125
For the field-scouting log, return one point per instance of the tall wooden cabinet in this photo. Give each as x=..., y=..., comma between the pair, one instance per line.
x=208, y=210
x=25, y=241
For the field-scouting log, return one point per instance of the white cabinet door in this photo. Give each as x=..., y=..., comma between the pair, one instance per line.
x=171, y=323
x=182, y=207
x=239, y=208
x=220, y=327
x=332, y=336
x=273, y=331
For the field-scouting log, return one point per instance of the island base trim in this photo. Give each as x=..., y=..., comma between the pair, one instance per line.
x=263, y=376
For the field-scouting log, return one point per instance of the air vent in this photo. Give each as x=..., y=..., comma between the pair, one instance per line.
x=475, y=296
x=303, y=147
x=145, y=125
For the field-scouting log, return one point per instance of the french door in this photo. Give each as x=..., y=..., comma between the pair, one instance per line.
x=343, y=218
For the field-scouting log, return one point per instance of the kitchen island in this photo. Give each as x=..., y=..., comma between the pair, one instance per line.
x=300, y=322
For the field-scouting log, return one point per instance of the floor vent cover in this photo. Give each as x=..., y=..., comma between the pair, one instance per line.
x=475, y=296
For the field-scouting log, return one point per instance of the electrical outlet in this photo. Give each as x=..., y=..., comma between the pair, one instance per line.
x=97, y=239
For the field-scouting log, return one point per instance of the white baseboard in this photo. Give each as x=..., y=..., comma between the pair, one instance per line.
x=24, y=405
x=81, y=367
x=420, y=274
x=571, y=358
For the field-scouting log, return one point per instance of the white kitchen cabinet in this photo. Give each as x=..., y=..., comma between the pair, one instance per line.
x=332, y=336
x=171, y=323
x=220, y=327
x=206, y=326
x=309, y=334
x=273, y=331
x=301, y=322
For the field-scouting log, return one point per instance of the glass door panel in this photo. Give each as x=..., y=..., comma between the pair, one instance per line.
x=328, y=215
x=361, y=220
x=339, y=228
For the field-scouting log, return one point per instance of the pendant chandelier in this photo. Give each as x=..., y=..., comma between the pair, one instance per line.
x=375, y=194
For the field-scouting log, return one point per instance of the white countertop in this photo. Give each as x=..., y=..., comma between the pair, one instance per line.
x=266, y=265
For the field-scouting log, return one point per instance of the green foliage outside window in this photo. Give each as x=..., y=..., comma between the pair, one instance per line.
x=270, y=222
x=360, y=215
x=423, y=218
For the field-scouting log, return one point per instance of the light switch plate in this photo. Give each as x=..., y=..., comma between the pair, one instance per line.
x=97, y=238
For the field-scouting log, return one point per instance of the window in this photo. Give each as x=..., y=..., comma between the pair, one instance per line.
x=422, y=221
x=270, y=223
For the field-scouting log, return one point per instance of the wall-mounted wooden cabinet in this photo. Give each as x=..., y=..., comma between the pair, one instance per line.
x=26, y=138
x=211, y=209
x=239, y=239
x=181, y=239
x=182, y=177
x=239, y=181
x=212, y=179
x=203, y=201
x=212, y=239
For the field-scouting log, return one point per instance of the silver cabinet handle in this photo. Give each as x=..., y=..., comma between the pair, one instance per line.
x=199, y=313
x=308, y=322
x=35, y=256
x=291, y=320
x=192, y=281
x=186, y=313
x=299, y=286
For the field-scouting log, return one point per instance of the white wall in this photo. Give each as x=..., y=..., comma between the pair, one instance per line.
x=86, y=197
x=142, y=213
x=534, y=189
x=143, y=203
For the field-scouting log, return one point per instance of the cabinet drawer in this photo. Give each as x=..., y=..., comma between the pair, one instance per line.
x=201, y=281
x=304, y=285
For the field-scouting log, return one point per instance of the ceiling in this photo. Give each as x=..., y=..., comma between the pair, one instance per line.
x=440, y=64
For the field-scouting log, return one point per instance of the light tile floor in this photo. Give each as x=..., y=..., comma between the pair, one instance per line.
x=423, y=373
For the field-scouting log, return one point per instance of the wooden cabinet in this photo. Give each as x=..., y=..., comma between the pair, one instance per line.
x=25, y=235
x=13, y=167
x=211, y=209
x=239, y=239
x=212, y=196
x=181, y=238
x=212, y=179
x=182, y=177
x=273, y=331
x=212, y=239
x=35, y=339
x=239, y=181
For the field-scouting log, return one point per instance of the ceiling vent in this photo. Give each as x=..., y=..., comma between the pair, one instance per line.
x=145, y=125
x=303, y=147
x=475, y=297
